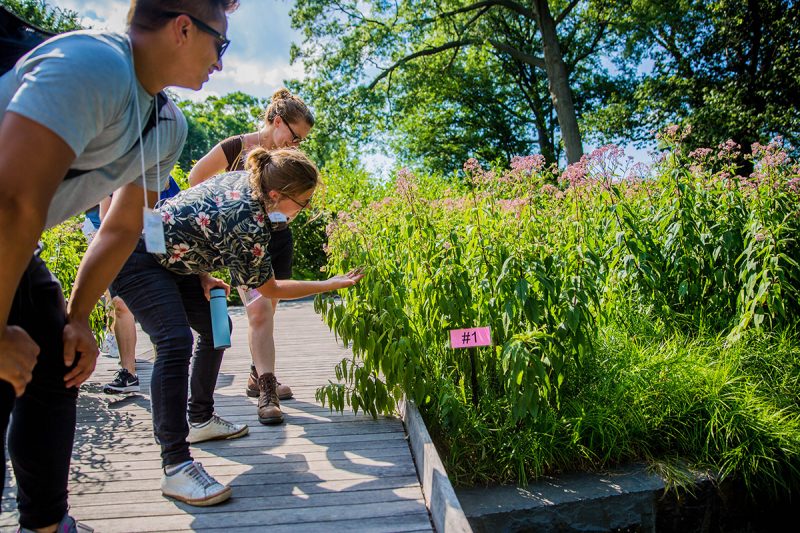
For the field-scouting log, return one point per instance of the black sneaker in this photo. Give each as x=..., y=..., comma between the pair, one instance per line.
x=124, y=381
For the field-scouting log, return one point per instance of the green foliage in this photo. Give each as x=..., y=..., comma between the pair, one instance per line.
x=624, y=305
x=308, y=236
x=705, y=245
x=180, y=176
x=215, y=119
x=729, y=68
x=439, y=122
x=62, y=250
x=668, y=399
x=446, y=81
x=43, y=15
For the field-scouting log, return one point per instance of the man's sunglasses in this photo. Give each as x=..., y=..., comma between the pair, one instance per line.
x=221, y=41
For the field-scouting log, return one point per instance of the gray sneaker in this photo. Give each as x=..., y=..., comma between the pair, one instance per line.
x=193, y=485
x=215, y=429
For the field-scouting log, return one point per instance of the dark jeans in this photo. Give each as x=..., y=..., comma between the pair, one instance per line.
x=42, y=426
x=167, y=305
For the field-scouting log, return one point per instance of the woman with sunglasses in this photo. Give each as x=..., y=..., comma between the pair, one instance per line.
x=221, y=223
x=287, y=121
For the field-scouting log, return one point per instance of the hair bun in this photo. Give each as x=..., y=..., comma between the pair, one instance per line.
x=281, y=94
x=258, y=157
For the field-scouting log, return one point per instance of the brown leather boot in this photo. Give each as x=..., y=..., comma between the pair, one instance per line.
x=269, y=407
x=284, y=391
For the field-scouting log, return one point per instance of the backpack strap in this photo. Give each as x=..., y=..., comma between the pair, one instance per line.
x=161, y=101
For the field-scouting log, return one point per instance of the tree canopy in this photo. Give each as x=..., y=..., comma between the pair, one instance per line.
x=447, y=79
x=521, y=65
x=215, y=119
x=729, y=68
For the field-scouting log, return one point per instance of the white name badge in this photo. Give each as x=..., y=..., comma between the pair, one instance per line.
x=248, y=296
x=278, y=217
x=154, y=232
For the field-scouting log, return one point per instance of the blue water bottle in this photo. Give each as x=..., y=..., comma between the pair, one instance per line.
x=219, y=319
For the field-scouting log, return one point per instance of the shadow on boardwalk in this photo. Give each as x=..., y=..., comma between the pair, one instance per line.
x=318, y=471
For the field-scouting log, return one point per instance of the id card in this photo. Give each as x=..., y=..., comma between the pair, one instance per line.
x=154, y=232
x=248, y=296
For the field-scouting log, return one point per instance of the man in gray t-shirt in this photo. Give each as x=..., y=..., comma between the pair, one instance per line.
x=80, y=101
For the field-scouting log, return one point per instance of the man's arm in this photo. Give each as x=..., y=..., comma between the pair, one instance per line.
x=209, y=165
x=114, y=242
x=33, y=162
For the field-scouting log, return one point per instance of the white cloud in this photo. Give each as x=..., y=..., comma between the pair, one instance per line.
x=255, y=78
x=105, y=14
x=258, y=72
x=194, y=96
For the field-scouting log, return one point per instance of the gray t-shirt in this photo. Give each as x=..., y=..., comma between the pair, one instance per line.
x=81, y=85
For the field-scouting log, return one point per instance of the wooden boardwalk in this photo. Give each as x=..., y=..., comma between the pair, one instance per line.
x=319, y=471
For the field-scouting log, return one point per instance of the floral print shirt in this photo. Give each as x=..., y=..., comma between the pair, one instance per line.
x=218, y=224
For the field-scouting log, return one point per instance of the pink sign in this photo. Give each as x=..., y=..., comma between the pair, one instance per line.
x=470, y=337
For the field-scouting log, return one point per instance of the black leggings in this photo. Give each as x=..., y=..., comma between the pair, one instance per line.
x=42, y=427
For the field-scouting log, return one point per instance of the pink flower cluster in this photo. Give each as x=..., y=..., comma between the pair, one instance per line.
x=472, y=165
x=700, y=154
x=377, y=206
x=528, y=163
x=549, y=188
x=772, y=155
x=575, y=174
x=674, y=134
x=602, y=166
x=453, y=204
x=729, y=150
x=637, y=172
x=404, y=184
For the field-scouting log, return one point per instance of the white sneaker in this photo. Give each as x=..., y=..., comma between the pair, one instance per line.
x=109, y=347
x=193, y=485
x=214, y=429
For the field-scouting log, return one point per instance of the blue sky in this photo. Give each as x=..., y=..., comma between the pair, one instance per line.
x=257, y=61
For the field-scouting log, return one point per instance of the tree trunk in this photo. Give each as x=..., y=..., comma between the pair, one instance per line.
x=558, y=81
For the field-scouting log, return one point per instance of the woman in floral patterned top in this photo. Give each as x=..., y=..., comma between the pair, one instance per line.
x=287, y=122
x=218, y=224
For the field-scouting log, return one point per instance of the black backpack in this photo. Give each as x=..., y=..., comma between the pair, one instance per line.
x=18, y=37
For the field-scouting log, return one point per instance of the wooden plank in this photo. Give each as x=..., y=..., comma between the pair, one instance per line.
x=318, y=471
x=154, y=494
x=376, y=456
x=264, y=517
x=166, y=507
x=394, y=524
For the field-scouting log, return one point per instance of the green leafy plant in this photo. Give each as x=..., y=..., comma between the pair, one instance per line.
x=624, y=303
x=62, y=249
